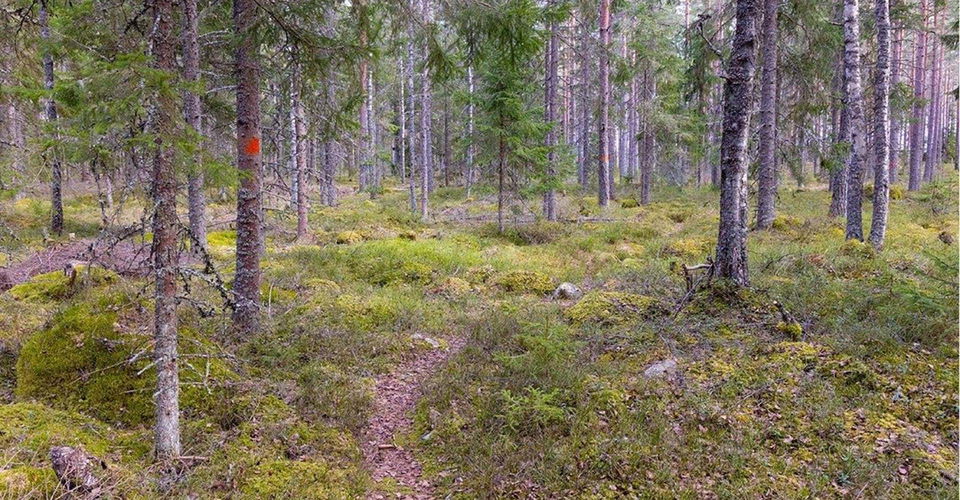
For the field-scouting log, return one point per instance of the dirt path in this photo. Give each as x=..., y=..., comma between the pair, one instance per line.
x=124, y=257
x=396, y=395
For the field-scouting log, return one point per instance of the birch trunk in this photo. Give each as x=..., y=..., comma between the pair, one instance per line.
x=603, y=170
x=767, y=172
x=853, y=102
x=881, y=110
x=916, y=126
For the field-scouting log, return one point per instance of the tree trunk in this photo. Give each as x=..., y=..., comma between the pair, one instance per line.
x=767, y=172
x=550, y=117
x=50, y=107
x=893, y=140
x=603, y=170
x=246, y=285
x=165, y=247
x=881, y=120
x=470, y=111
x=196, y=202
x=933, y=116
x=300, y=150
x=648, y=157
x=916, y=126
x=501, y=158
x=853, y=102
x=411, y=123
x=731, y=260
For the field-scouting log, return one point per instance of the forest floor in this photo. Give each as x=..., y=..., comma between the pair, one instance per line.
x=399, y=358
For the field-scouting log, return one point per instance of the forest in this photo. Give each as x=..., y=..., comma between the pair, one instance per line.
x=425, y=249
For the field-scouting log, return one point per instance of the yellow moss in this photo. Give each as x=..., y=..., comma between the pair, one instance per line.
x=609, y=308
x=686, y=247
x=629, y=203
x=28, y=482
x=57, y=285
x=227, y=238
x=793, y=329
x=896, y=192
x=786, y=223
x=320, y=286
x=453, y=287
x=525, y=282
x=857, y=248
x=349, y=237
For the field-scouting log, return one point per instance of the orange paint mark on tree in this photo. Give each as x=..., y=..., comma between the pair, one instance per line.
x=252, y=147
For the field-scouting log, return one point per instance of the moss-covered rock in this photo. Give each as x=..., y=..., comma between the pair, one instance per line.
x=59, y=285
x=94, y=358
x=610, y=308
x=525, y=282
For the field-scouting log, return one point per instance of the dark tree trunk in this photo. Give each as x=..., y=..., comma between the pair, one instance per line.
x=853, y=102
x=767, y=173
x=196, y=202
x=732, y=238
x=246, y=287
x=50, y=108
x=895, y=123
x=881, y=121
x=165, y=247
x=501, y=159
x=299, y=150
x=603, y=170
x=931, y=162
x=471, y=176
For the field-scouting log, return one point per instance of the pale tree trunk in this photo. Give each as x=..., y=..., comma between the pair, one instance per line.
x=603, y=170
x=893, y=140
x=648, y=156
x=731, y=260
x=365, y=105
x=165, y=254
x=50, y=108
x=196, y=202
x=470, y=148
x=411, y=122
x=633, y=119
x=550, y=117
x=916, y=126
x=401, y=153
x=299, y=150
x=246, y=286
x=767, y=172
x=881, y=120
x=933, y=116
x=853, y=102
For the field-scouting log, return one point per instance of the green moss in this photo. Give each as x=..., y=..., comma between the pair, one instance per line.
x=320, y=286
x=28, y=482
x=629, y=203
x=226, y=238
x=479, y=275
x=58, y=285
x=610, y=308
x=793, y=330
x=525, y=282
x=292, y=479
x=786, y=223
x=91, y=358
x=857, y=248
x=349, y=237
x=686, y=247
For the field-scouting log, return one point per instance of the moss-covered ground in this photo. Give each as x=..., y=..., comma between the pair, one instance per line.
x=848, y=388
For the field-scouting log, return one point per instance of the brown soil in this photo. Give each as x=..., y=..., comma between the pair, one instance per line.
x=396, y=395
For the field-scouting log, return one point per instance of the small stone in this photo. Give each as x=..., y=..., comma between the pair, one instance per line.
x=567, y=291
x=665, y=368
x=420, y=338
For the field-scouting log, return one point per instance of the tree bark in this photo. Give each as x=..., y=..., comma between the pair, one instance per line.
x=853, y=102
x=470, y=148
x=881, y=112
x=731, y=260
x=916, y=126
x=933, y=116
x=300, y=150
x=411, y=123
x=603, y=170
x=50, y=108
x=767, y=172
x=196, y=202
x=893, y=140
x=246, y=285
x=550, y=117
x=165, y=247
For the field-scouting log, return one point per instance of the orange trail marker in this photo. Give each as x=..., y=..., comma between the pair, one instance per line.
x=252, y=146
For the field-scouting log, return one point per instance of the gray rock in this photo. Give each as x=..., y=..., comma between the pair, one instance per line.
x=665, y=368
x=423, y=339
x=567, y=291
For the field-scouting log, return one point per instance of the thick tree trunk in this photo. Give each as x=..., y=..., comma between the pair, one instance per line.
x=881, y=120
x=603, y=170
x=165, y=247
x=246, y=286
x=767, y=173
x=853, y=102
x=916, y=126
x=50, y=108
x=550, y=117
x=196, y=202
x=731, y=260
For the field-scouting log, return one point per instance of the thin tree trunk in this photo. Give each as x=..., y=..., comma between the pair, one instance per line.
x=196, y=202
x=50, y=107
x=550, y=112
x=648, y=157
x=731, y=260
x=246, y=285
x=916, y=127
x=894, y=136
x=603, y=170
x=767, y=173
x=300, y=150
x=411, y=124
x=501, y=158
x=881, y=110
x=853, y=101
x=933, y=120
x=470, y=147
x=165, y=248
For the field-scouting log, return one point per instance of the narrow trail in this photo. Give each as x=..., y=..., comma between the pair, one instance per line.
x=396, y=395
x=124, y=257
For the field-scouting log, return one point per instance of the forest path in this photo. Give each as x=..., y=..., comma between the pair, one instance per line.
x=396, y=396
x=124, y=257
